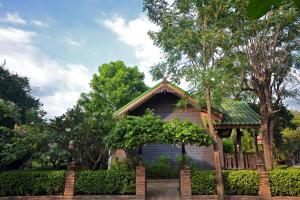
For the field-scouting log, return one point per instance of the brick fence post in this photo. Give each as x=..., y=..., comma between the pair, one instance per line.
x=264, y=185
x=69, y=185
x=140, y=182
x=185, y=183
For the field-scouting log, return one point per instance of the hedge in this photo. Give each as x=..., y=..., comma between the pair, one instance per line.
x=241, y=182
x=236, y=182
x=203, y=182
x=16, y=183
x=99, y=182
x=285, y=182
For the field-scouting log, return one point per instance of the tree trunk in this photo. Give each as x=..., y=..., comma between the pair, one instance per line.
x=266, y=130
x=218, y=148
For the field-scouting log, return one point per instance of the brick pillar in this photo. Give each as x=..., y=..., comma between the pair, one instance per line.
x=140, y=182
x=69, y=185
x=264, y=185
x=185, y=183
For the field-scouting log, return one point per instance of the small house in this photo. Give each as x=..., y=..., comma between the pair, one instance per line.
x=231, y=115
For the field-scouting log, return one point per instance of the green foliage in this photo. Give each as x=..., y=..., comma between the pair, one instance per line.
x=131, y=132
x=186, y=132
x=241, y=182
x=16, y=89
x=257, y=8
x=203, y=182
x=87, y=133
x=248, y=143
x=191, y=34
x=290, y=145
x=17, y=183
x=236, y=182
x=162, y=168
x=114, y=181
x=117, y=84
x=285, y=182
x=228, y=145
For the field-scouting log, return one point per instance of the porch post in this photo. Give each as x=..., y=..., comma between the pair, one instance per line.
x=240, y=154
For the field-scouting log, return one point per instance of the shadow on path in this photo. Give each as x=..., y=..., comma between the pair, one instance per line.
x=162, y=189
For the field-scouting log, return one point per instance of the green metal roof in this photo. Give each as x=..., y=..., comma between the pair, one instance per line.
x=238, y=113
x=233, y=112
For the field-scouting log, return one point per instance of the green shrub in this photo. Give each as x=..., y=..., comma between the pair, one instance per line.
x=228, y=146
x=203, y=182
x=114, y=181
x=236, y=182
x=162, y=168
x=241, y=182
x=285, y=182
x=16, y=183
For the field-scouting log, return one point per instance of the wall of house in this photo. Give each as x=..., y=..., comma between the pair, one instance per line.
x=163, y=104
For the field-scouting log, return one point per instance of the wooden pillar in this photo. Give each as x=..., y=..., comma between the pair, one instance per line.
x=240, y=154
x=219, y=139
x=140, y=182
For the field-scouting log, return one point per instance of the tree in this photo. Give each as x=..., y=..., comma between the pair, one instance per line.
x=16, y=89
x=194, y=36
x=269, y=46
x=18, y=108
x=117, y=84
x=89, y=121
x=86, y=132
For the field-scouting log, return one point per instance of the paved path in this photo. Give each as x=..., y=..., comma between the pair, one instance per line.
x=162, y=189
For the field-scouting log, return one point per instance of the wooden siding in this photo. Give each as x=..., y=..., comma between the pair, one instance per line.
x=163, y=104
x=153, y=151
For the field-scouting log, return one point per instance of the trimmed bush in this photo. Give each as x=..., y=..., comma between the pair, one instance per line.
x=241, y=182
x=236, y=182
x=285, y=182
x=203, y=182
x=17, y=183
x=162, y=168
x=114, y=181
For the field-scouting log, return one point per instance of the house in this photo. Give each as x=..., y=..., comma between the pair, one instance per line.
x=162, y=99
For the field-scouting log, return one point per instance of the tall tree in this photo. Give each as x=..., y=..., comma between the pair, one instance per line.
x=117, y=84
x=16, y=89
x=271, y=53
x=194, y=37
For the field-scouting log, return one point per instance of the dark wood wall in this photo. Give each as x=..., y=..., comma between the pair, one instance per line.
x=163, y=104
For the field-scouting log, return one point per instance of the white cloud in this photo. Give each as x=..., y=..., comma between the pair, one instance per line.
x=13, y=18
x=135, y=34
x=39, y=23
x=58, y=85
x=72, y=42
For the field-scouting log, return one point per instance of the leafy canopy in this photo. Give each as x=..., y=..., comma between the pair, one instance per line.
x=133, y=131
x=117, y=84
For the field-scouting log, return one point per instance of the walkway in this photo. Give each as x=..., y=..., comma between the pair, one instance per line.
x=162, y=189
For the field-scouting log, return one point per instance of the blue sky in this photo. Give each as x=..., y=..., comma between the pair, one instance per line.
x=59, y=44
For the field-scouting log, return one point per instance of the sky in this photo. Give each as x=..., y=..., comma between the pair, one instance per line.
x=60, y=44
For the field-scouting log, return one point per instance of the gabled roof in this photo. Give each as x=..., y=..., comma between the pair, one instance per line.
x=232, y=112
x=163, y=85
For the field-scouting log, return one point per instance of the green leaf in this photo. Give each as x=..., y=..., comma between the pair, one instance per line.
x=258, y=8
